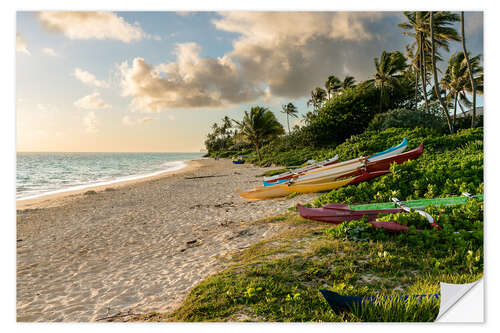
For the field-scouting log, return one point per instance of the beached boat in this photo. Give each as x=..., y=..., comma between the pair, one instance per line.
x=238, y=161
x=312, y=188
x=271, y=180
x=354, y=169
x=339, y=303
x=328, y=186
x=263, y=192
x=338, y=213
x=328, y=166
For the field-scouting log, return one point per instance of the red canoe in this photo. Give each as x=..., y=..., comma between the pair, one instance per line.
x=341, y=213
x=384, y=164
x=338, y=213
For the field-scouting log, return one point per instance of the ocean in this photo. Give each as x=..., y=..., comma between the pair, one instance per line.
x=39, y=174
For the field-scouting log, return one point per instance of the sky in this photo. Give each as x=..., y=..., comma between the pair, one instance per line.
x=156, y=81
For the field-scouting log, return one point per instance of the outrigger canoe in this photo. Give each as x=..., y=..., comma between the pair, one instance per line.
x=344, y=169
x=338, y=213
x=286, y=175
x=328, y=186
x=269, y=181
x=340, y=303
x=356, y=168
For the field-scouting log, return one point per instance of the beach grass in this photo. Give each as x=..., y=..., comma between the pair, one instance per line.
x=279, y=279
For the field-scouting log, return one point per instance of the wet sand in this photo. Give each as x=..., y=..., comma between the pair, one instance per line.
x=136, y=246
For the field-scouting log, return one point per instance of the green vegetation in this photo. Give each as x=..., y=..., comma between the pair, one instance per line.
x=258, y=126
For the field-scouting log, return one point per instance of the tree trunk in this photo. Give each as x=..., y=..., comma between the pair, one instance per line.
x=258, y=151
x=416, y=89
x=288, y=123
x=381, y=97
x=436, y=84
x=473, y=83
x=455, y=110
x=423, y=71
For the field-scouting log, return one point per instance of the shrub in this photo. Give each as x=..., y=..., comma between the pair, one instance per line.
x=404, y=118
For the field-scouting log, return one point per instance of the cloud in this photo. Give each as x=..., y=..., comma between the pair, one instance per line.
x=90, y=122
x=277, y=55
x=50, y=52
x=90, y=25
x=21, y=45
x=127, y=120
x=89, y=78
x=91, y=102
x=145, y=120
x=190, y=82
x=294, y=51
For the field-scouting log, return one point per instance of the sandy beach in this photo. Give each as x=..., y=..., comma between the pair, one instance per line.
x=135, y=246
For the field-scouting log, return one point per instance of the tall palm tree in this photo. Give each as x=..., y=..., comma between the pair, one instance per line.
x=332, y=85
x=349, y=82
x=433, y=55
x=258, y=126
x=456, y=79
x=291, y=111
x=388, y=72
x=226, y=126
x=418, y=27
x=318, y=97
x=473, y=84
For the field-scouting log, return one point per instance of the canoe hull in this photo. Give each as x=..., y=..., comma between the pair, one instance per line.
x=262, y=193
x=337, y=216
x=340, y=303
x=312, y=188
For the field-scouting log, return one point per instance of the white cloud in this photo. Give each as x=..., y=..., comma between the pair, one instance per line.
x=89, y=78
x=91, y=25
x=191, y=81
x=92, y=102
x=278, y=55
x=21, y=45
x=145, y=120
x=49, y=51
x=90, y=122
x=127, y=120
x=294, y=51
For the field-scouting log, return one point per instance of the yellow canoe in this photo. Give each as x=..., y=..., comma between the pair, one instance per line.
x=311, y=188
x=264, y=192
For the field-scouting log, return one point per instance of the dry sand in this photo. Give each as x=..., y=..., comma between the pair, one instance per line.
x=138, y=246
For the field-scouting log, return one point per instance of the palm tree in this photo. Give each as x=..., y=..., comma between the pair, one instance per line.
x=436, y=85
x=349, y=82
x=419, y=28
x=473, y=84
x=258, y=126
x=318, y=97
x=456, y=79
x=332, y=85
x=388, y=73
x=290, y=110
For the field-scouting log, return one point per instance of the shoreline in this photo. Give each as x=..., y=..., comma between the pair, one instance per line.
x=55, y=198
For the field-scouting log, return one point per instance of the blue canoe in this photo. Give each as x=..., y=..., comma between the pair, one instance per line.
x=239, y=162
x=378, y=156
x=339, y=303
